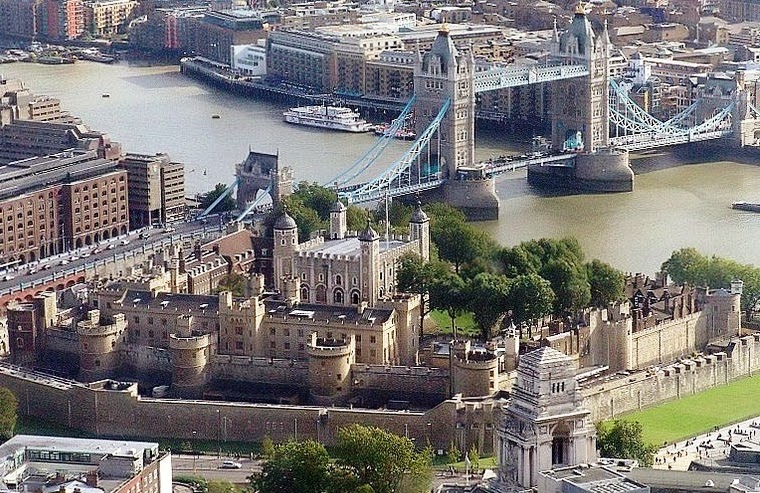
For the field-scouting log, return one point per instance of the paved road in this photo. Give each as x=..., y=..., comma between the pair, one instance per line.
x=209, y=467
x=61, y=265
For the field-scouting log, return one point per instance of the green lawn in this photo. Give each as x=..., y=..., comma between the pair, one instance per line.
x=696, y=414
x=465, y=323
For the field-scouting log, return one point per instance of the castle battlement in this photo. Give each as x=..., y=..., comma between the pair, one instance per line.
x=400, y=371
x=323, y=347
x=193, y=342
x=92, y=327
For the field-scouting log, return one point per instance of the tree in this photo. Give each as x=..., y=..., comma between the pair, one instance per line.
x=449, y=293
x=356, y=218
x=414, y=275
x=686, y=265
x=227, y=203
x=474, y=457
x=624, y=440
x=8, y=413
x=295, y=466
x=530, y=297
x=458, y=242
x=487, y=299
x=316, y=197
x=378, y=458
x=606, y=283
x=267, y=447
x=569, y=283
x=232, y=282
x=306, y=218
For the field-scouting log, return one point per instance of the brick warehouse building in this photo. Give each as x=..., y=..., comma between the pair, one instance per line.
x=62, y=201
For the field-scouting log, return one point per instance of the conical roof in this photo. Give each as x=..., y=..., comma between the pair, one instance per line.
x=443, y=51
x=338, y=207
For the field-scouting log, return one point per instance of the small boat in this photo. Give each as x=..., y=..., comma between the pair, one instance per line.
x=216, y=116
x=105, y=95
x=746, y=206
x=403, y=133
x=93, y=56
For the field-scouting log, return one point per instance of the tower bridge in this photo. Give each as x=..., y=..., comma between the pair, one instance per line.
x=594, y=125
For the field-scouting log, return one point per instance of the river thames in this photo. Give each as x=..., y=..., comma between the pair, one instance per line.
x=154, y=109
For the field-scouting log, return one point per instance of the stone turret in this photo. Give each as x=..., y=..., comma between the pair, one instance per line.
x=190, y=357
x=285, y=248
x=330, y=363
x=338, y=225
x=369, y=242
x=473, y=372
x=99, y=345
x=419, y=229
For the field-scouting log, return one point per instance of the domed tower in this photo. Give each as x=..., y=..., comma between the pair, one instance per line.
x=338, y=225
x=544, y=425
x=330, y=363
x=419, y=229
x=285, y=248
x=580, y=112
x=190, y=356
x=369, y=242
x=99, y=345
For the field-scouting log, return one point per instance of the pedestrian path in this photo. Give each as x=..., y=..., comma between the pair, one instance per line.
x=715, y=445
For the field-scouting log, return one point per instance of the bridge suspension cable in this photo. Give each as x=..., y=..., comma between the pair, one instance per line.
x=375, y=151
x=399, y=173
x=228, y=189
x=253, y=204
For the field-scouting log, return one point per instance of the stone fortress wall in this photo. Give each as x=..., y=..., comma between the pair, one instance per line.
x=632, y=391
x=113, y=409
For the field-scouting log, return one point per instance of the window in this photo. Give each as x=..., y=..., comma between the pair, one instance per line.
x=238, y=331
x=273, y=344
x=272, y=331
x=372, y=339
x=239, y=345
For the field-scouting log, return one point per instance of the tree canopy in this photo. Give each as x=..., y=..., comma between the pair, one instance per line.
x=687, y=265
x=366, y=460
x=8, y=413
x=624, y=440
x=295, y=466
x=378, y=458
x=227, y=203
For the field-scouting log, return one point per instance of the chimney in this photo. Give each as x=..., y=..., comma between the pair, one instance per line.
x=92, y=479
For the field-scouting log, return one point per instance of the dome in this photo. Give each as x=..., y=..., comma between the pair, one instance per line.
x=285, y=222
x=368, y=234
x=419, y=216
x=338, y=207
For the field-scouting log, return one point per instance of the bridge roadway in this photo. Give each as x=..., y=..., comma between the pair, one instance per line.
x=50, y=269
x=651, y=140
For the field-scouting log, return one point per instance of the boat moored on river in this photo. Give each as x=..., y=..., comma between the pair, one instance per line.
x=330, y=117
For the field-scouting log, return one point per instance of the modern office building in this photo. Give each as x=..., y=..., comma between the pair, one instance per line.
x=156, y=189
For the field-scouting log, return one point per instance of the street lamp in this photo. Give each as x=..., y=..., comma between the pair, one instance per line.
x=218, y=433
x=195, y=452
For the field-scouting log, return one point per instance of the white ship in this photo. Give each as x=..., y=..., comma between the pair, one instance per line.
x=332, y=117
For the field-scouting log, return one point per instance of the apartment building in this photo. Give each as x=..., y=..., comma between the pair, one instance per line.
x=108, y=17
